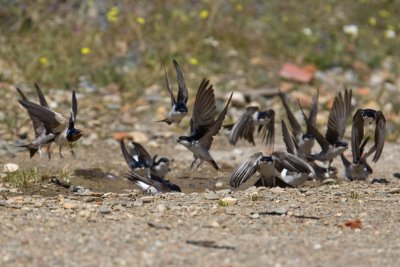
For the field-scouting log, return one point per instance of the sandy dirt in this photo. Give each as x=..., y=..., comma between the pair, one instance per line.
x=49, y=226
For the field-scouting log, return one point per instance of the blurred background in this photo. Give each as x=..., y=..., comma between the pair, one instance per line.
x=116, y=51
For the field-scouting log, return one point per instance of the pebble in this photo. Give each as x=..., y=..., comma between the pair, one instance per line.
x=70, y=206
x=104, y=210
x=329, y=181
x=147, y=199
x=10, y=167
x=281, y=210
x=219, y=184
x=161, y=208
x=138, y=203
x=211, y=196
x=394, y=191
x=213, y=224
x=255, y=215
x=228, y=201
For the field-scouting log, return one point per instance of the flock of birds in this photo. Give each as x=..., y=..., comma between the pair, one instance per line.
x=292, y=167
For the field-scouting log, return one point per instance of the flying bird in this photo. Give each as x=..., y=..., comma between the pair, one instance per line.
x=203, y=125
x=179, y=108
x=305, y=140
x=364, y=117
x=270, y=169
x=39, y=128
x=60, y=130
x=332, y=145
x=247, y=123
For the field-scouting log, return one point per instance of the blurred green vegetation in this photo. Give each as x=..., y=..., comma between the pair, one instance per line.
x=126, y=42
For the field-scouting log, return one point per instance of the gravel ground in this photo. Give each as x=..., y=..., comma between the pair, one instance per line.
x=266, y=227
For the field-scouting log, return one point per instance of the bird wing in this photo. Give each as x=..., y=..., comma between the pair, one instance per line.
x=74, y=107
x=357, y=134
x=128, y=155
x=173, y=101
x=267, y=131
x=314, y=110
x=159, y=186
x=142, y=154
x=42, y=99
x=207, y=138
x=244, y=127
x=379, y=138
x=291, y=162
x=183, y=92
x=338, y=117
x=287, y=138
x=49, y=118
x=318, y=136
x=242, y=173
x=294, y=123
x=204, y=110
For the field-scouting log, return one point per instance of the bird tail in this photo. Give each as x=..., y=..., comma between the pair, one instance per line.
x=32, y=150
x=167, y=121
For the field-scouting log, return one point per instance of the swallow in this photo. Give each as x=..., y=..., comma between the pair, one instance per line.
x=153, y=185
x=292, y=147
x=332, y=145
x=305, y=140
x=39, y=128
x=203, y=125
x=247, y=123
x=60, y=130
x=358, y=169
x=179, y=108
x=137, y=157
x=364, y=117
x=270, y=169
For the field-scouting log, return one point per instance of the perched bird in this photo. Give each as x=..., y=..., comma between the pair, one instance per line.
x=39, y=128
x=332, y=144
x=59, y=129
x=270, y=169
x=203, y=125
x=153, y=185
x=369, y=116
x=179, y=108
x=359, y=169
x=137, y=157
x=250, y=119
x=292, y=147
x=153, y=181
x=305, y=140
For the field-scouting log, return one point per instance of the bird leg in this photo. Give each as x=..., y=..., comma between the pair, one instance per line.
x=48, y=152
x=71, y=150
x=198, y=165
x=191, y=165
x=60, y=148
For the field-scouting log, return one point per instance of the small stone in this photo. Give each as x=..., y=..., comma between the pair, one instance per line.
x=224, y=191
x=329, y=181
x=213, y=224
x=104, y=210
x=161, y=208
x=227, y=201
x=281, y=210
x=238, y=99
x=317, y=246
x=138, y=203
x=70, y=206
x=147, y=199
x=255, y=215
x=219, y=184
x=211, y=196
x=10, y=167
x=139, y=137
x=394, y=191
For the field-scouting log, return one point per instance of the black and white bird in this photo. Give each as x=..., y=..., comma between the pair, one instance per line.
x=305, y=140
x=271, y=169
x=364, y=117
x=247, y=123
x=137, y=157
x=358, y=168
x=203, y=125
x=179, y=108
x=59, y=129
x=332, y=145
x=38, y=126
x=153, y=179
